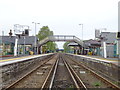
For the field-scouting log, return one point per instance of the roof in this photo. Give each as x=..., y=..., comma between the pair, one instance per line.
x=73, y=44
x=29, y=40
x=92, y=43
x=87, y=43
x=7, y=39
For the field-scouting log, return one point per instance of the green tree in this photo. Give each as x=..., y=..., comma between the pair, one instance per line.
x=51, y=46
x=65, y=46
x=45, y=32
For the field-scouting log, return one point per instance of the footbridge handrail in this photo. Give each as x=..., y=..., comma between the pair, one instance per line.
x=70, y=38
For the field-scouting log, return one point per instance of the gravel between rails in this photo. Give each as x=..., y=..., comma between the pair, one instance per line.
x=88, y=79
x=36, y=78
x=62, y=79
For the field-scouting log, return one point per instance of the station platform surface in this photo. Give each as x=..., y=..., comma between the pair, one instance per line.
x=10, y=60
x=112, y=60
x=115, y=61
x=3, y=58
x=103, y=58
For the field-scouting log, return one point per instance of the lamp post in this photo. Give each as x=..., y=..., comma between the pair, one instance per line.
x=35, y=35
x=24, y=34
x=104, y=44
x=82, y=30
x=82, y=38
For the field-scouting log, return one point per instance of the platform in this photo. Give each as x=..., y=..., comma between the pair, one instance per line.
x=108, y=60
x=18, y=59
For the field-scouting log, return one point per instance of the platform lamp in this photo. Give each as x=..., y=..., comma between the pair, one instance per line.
x=82, y=36
x=35, y=36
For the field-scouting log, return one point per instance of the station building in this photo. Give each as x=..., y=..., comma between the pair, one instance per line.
x=96, y=47
x=111, y=44
x=91, y=47
x=25, y=44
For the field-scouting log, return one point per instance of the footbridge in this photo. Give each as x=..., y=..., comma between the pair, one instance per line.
x=54, y=38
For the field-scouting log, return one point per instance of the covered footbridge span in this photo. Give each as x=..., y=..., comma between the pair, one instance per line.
x=54, y=38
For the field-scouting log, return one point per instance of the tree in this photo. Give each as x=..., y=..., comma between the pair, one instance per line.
x=51, y=46
x=43, y=33
x=65, y=46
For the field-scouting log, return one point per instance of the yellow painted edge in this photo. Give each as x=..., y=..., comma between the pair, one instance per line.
x=102, y=58
x=17, y=58
x=98, y=58
x=14, y=58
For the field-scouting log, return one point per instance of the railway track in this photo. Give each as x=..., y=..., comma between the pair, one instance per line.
x=63, y=77
x=62, y=72
x=89, y=77
x=35, y=77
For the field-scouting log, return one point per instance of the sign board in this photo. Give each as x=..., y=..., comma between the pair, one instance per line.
x=18, y=29
x=17, y=32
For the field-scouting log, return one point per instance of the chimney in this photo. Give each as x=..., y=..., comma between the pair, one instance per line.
x=10, y=33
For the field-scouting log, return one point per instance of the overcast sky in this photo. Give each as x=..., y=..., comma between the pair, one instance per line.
x=62, y=16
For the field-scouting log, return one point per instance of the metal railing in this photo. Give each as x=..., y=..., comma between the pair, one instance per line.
x=69, y=38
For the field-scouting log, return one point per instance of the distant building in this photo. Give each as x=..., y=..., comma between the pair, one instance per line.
x=74, y=48
x=111, y=44
x=92, y=47
x=118, y=48
x=7, y=44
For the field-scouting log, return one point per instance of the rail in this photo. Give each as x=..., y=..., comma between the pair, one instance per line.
x=12, y=85
x=98, y=75
x=51, y=77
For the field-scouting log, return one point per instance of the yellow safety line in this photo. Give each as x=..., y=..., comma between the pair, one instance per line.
x=107, y=59
x=99, y=58
x=102, y=58
x=14, y=58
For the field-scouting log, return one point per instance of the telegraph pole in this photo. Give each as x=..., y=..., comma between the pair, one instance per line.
x=118, y=36
x=82, y=50
x=36, y=51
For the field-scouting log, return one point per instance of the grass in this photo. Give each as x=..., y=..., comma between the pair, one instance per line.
x=97, y=84
x=71, y=87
